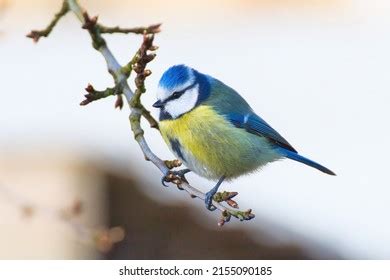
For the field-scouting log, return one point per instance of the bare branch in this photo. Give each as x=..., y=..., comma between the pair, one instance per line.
x=120, y=75
x=151, y=29
x=94, y=95
x=148, y=116
x=37, y=34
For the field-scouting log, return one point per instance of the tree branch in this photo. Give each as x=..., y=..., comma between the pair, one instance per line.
x=37, y=34
x=94, y=95
x=120, y=75
x=152, y=29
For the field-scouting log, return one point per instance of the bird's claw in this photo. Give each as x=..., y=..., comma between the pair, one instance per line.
x=172, y=175
x=210, y=195
x=209, y=201
x=163, y=180
x=180, y=173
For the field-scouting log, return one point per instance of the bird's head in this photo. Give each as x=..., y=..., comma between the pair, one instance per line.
x=180, y=90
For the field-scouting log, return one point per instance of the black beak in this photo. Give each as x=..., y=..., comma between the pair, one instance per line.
x=158, y=104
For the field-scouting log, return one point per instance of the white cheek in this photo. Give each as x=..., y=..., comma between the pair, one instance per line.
x=184, y=104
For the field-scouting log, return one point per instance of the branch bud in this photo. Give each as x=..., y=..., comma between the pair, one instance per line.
x=35, y=35
x=232, y=203
x=119, y=102
x=89, y=88
x=89, y=23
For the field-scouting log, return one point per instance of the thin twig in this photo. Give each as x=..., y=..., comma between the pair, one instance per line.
x=94, y=94
x=152, y=29
x=37, y=34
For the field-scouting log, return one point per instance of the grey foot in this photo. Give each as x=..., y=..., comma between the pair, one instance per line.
x=178, y=173
x=209, y=200
x=181, y=173
x=210, y=194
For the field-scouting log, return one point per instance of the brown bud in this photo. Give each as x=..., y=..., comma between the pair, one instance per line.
x=137, y=68
x=89, y=88
x=232, y=194
x=35, y=35
x=249, y=215
x=155, y=28
x=149, y=57
x=94, y=19
x=170, y=177
x=147, y=72
x=119, y=102
x=85, y=102
x=225, y=218
x=89, y=23
x=232, y=203
x=173, y=163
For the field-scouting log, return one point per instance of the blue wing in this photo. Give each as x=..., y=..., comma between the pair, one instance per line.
x=256, y=125
x=230, y=104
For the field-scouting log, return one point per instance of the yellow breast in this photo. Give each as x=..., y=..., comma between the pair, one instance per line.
x=210, y=145
x=188, y=138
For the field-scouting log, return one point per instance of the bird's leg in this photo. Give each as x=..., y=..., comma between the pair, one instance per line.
x=181, y=172
x=178, y=173
x=210, y=194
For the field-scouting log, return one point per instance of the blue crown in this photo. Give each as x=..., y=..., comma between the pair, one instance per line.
x=175, y=75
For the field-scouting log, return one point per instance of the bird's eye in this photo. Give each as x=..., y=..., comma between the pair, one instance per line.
x=177, y=94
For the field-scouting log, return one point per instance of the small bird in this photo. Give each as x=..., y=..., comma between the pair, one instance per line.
x=214, y=131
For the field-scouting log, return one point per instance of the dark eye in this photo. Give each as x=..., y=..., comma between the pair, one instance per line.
x=177, y=94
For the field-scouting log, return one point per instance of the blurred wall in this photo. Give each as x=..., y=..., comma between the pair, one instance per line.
x=38, y=193
x=161, y=231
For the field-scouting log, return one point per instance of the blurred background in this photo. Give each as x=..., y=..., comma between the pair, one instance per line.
x=74, y=184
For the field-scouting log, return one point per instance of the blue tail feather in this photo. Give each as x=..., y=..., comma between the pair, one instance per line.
x=294, y=156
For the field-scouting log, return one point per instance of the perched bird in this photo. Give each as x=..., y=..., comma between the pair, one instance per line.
x=214, y=131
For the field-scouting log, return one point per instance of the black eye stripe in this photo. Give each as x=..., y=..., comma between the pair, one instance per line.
x=177, y=94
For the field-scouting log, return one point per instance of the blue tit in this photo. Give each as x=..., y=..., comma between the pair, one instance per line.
x=214, y=131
